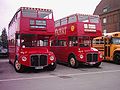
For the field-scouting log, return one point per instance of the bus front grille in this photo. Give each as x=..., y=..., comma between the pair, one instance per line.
x=38, y=60
x=92, y=57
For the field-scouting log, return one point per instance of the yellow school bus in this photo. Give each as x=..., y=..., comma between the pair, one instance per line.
x=109, y=45
x=98, y=43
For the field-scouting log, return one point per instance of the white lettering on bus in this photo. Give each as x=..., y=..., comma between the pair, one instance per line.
x=89, y=28
x=60, y=31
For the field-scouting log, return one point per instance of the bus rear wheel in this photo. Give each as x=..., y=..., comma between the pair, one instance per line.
x=18, y=67
x=117, y=58
x=73, y=62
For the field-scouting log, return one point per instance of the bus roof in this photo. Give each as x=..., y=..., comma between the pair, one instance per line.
x=112, y=34
x=78, y=14
x=37, y=9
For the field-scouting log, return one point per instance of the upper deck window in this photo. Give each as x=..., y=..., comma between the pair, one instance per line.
x=29, y=13
x=72, y=19
x=94, y=19
x=45, y=14
x=63, y=21
x=83, y=18
x=57, y=23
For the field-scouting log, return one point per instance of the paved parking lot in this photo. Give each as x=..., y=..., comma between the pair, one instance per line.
x=106, y=77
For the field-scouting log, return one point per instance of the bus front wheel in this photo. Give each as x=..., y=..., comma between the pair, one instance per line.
x=97, y=64
x=73, y=62
x=117, y=58
x=18, y=67
x=52, y=67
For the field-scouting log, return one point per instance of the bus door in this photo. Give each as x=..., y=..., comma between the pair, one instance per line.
x=62, y=50
x=107, y=49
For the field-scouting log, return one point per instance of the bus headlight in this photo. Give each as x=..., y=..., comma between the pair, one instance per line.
x=51, y=58
x=24, y=58
x=81, y=56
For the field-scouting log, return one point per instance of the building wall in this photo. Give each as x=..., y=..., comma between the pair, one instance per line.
x=111, y=21
x=109, y=12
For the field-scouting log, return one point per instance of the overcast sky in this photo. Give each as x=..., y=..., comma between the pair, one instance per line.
x=61, y=8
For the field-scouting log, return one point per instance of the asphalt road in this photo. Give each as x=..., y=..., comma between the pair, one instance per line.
x=107, y=77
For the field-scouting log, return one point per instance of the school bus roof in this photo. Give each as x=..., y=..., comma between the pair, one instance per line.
x=98, y=37
x=113, y=34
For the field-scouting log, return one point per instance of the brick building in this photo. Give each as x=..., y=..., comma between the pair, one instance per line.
x=109, y=11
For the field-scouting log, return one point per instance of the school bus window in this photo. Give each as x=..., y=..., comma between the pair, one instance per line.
x=116, y=40
x=94, y=41
x=101, y=42
x=97, y=41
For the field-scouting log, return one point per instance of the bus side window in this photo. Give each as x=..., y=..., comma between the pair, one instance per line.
x=70, y=43
x=97, y=41
x=17, y=39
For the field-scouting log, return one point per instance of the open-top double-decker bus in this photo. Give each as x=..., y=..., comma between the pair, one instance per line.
x=73, y=40
x=29, y=34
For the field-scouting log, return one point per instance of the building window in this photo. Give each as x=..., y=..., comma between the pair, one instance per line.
x=104, y=32
x=104, y=20
x=105, y=10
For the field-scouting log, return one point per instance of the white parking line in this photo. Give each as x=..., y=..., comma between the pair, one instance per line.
x=44, y=77
x=4, y=60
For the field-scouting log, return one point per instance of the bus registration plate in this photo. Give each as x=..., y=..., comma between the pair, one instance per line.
x=92, y=63
x=39, y=67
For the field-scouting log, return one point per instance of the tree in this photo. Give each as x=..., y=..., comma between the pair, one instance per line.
x=4, y=38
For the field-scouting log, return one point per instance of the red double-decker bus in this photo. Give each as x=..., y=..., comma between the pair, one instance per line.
x=29, y=34
x=73, y=40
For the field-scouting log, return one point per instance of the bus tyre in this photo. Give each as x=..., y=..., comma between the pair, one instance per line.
x=97, y=64
x=10, y=62
x=18, y=67
x=117, y=58
x=52, y=67
x=73, y=62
